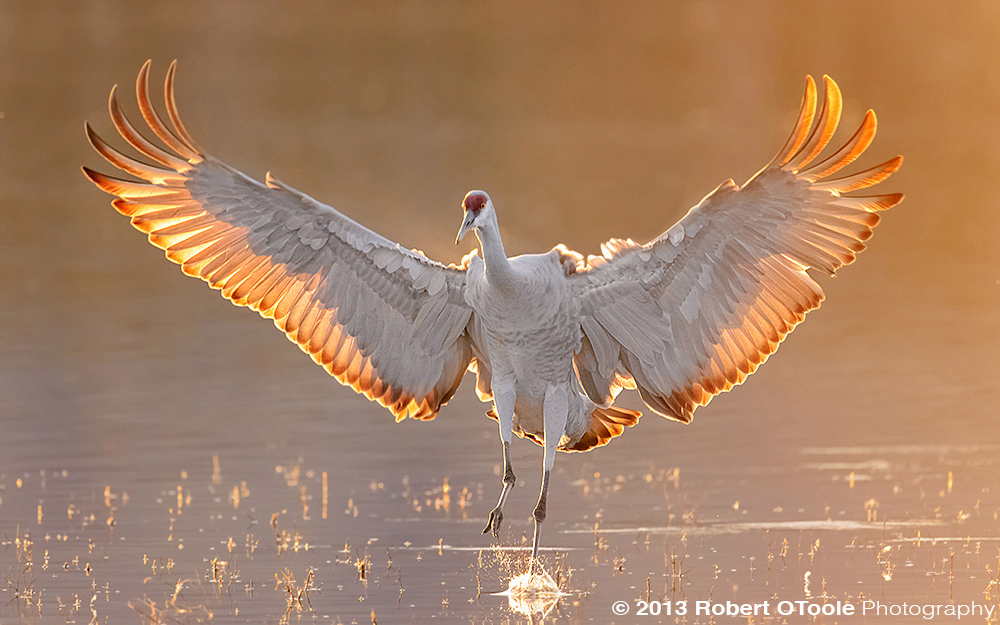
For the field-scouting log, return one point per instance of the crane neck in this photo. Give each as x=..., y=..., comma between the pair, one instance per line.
x=498, y=269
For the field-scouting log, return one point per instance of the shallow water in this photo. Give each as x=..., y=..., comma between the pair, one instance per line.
x=163, y=454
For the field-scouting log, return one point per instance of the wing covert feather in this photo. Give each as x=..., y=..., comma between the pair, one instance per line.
x=385, y=320
x=694, y=312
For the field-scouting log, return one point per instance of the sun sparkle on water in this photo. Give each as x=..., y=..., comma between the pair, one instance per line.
x=533, y=593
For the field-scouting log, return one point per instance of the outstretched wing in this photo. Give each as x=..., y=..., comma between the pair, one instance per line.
x=694, y=312
x=384, y=320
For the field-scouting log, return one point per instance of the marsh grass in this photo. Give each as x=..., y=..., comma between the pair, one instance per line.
x=296, y=593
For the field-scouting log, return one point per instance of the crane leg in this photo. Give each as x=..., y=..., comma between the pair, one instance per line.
x=554, y=411
x=503, y=400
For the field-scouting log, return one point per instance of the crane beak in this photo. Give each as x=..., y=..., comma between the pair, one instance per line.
x=466, y=226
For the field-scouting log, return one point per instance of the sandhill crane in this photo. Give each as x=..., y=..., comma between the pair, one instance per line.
x=553, y=338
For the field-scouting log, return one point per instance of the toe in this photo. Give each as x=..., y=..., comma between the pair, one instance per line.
x=494, y=523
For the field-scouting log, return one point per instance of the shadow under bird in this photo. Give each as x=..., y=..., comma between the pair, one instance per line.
x=553, y=338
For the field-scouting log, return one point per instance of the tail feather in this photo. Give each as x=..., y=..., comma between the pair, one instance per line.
x=605, y=424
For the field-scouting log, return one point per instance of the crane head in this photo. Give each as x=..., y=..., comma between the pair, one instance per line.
x=477, y=205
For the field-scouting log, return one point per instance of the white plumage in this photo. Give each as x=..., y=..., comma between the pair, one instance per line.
x=553, y=338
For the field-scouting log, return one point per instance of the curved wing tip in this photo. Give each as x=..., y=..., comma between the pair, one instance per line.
x=893, y=164
x=113, y=99
x=92, y=136
x=810, y=93
x=803, y=123
x=149, y=63
x=831, y=85
x=92, y=175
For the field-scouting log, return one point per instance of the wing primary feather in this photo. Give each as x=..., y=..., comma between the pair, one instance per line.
x=801, y=128
x=847, y=154
x=861, y=180
x=187, y=225
x=164, y=216
x=127, y=164
x=127, y=188
x=186, y=240
x=871, y=203
x=172, y=112
x=140, y=143
x=153, y=119
x=829, y=118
